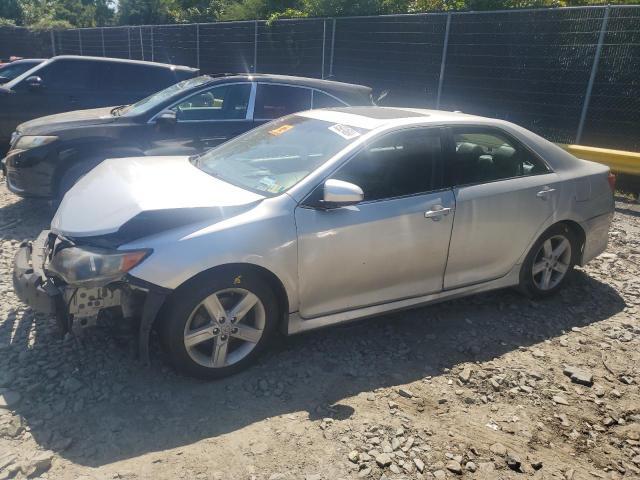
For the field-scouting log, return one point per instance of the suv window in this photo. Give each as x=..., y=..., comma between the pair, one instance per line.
x=487, y=154
x=322, y=100
x=226, y=102
x=66, y=74
x=274, y=101
x=130, y=77
x=403, y=163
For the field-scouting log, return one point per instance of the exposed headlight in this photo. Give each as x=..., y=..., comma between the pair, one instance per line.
x=32, y=141
x=93, y=266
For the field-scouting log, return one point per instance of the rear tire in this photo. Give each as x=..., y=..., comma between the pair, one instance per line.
x=218, y=323
x=549, y=262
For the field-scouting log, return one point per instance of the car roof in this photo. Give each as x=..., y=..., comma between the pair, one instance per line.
x=375, y=117
x=124, y=60
x=317, y=83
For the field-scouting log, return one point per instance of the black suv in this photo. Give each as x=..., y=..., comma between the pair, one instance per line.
x=50, y=154
x=66, y=83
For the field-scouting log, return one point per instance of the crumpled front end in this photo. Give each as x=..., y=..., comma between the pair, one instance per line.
x=79, y=284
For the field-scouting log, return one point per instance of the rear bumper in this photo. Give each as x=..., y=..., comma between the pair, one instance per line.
x=596, y=231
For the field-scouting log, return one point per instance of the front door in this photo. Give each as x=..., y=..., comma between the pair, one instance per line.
x=504, y=194
x=391, y=246
x=207, y=119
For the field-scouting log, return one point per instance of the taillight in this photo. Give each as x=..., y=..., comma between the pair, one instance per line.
x=612, y=181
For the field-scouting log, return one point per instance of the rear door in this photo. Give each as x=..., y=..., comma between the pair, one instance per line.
x=504, y=194
x=391, y=246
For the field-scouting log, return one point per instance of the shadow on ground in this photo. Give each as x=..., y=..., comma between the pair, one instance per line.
x=20, y=219
x=93, y=404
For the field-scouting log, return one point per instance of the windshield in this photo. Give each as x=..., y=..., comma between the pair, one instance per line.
x=156, y=99
x=274, y=157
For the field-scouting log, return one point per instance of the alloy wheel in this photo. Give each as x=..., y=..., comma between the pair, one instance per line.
x=552, y=262
x=224, y=328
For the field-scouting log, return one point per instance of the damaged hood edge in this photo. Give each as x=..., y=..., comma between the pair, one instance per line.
x=145, y=194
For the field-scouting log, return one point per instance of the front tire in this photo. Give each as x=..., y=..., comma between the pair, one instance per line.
x=217, y=324
x=549, y=263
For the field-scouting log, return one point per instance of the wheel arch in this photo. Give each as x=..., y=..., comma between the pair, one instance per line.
x=580, y=234
x=236, y=270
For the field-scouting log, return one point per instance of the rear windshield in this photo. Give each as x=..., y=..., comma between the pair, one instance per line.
x=274, y=157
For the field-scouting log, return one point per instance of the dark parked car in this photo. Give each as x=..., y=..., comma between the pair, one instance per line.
x=11, y=70
x=66, y=83
x=50, y=154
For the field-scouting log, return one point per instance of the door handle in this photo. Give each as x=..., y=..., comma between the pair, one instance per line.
x=437, y=212
x=544, y=192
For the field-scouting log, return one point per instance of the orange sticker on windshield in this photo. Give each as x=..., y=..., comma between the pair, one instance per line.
x=280, y=130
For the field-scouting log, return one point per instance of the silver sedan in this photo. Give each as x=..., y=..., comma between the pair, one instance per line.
x=315, y=219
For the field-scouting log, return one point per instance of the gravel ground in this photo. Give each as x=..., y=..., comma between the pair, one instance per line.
x=492, y=386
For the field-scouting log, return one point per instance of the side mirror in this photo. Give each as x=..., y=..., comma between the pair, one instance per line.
x=34, y=82
x=340, y=194
x=166, y=118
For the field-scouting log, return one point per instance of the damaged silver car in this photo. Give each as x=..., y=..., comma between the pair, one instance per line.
x=314, y=219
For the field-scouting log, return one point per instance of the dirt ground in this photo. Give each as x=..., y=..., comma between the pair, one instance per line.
x=489, y=386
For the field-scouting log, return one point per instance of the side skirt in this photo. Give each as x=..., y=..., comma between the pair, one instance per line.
x=298, y=324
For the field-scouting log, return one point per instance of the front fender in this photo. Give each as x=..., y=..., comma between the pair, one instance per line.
x=264, y=236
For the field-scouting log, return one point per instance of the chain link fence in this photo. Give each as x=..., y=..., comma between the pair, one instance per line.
x=569, y=74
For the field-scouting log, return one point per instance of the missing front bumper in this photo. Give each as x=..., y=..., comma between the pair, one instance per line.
x=74, y=305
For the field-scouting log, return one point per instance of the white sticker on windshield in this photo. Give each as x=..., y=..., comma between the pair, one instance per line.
x=344, y=131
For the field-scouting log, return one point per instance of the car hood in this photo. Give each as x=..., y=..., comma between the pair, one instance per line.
x=129, y=198
x=50, y=123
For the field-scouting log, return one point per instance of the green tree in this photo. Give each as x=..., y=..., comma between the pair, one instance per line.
x=146, y=12
x=11, y=10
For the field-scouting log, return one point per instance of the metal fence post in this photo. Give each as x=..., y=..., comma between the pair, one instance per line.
x=152, y=49
x=198, y=45
x=129, y=41
x=333, y=43
x=53, y=44
x=445, y=45
x=255, y=47
x=80, y=40
x=104, y=53
x=324, y=37
x=141, y=44
x=592, y=76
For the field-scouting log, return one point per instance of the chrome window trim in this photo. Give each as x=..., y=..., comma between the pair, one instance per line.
x=208, y=87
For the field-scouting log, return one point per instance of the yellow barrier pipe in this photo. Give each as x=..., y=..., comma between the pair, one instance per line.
x=618, y=160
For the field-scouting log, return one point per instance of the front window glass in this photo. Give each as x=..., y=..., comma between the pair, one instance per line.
x=31, y=72
x=226, y=102
x=274, y=157
x=9, y=72
x=156, y=99
x=399, y=164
